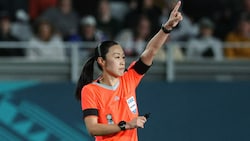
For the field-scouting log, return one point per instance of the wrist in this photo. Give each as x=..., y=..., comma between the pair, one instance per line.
x=128, y=126
x=122, y=125
x=167, y=26
x=166, y=29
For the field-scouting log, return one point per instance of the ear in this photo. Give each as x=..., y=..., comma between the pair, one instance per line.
x=100, y=61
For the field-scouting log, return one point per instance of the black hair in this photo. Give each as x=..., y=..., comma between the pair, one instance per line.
x=87, y=73
x=42, y=21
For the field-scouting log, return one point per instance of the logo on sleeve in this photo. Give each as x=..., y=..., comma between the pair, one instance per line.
x=132, y=104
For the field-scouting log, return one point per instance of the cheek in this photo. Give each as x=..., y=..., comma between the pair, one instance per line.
x=111, y=65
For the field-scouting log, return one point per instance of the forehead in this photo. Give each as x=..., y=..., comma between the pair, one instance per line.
x=116, y=49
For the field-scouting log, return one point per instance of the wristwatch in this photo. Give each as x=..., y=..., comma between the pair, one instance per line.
x=165, y=30
x=122, y=125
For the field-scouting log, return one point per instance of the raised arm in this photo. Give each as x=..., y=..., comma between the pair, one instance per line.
x=159, y=39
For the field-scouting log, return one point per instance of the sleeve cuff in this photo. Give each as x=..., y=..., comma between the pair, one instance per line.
x=140, y=67
x=90, y=112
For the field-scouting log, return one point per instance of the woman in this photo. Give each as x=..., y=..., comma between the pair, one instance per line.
x=238, y=39
x=134, y=40
x=109, y=102
x=45, y=44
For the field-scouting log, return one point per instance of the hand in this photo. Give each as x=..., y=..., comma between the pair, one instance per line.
x=137, y=122
x=174, y=18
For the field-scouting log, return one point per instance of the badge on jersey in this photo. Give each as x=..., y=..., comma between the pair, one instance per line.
x=109, y=119
x=132, y=104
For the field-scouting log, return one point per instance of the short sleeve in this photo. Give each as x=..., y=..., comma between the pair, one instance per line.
x=88, y=102
x=140, y=67
x=135, y=72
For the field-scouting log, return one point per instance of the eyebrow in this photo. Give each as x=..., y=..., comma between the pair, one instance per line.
x=118, y=53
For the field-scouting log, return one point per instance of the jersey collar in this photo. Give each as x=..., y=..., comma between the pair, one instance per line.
x=107, y=86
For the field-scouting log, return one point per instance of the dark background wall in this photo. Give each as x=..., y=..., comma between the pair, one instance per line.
x=196, y=111
x=180, y=111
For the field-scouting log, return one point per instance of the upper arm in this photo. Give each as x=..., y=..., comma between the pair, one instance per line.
x=88, y=98
x=89, y=107
x=147, y=57
x=90, y=122
x=153, y=47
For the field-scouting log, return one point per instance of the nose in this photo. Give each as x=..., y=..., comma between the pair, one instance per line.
x=122, y=63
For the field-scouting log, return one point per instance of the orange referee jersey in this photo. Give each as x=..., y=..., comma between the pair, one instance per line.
x=114, y=103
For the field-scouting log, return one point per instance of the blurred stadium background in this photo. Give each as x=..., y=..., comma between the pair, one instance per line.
x=190, y=99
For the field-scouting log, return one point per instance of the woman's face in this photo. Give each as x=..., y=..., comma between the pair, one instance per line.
x=88, y=31
x=45, y=31
x=144, y=28
x=244, y=28
x=104, y=8
x=5, y=25
x=65, y=6
x=114, y=64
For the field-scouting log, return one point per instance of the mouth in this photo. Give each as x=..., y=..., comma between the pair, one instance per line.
x=122, y=69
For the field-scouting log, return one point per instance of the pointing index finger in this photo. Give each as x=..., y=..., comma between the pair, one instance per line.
x=177, y=6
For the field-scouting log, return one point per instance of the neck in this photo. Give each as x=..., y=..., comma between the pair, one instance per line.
x=108, y=80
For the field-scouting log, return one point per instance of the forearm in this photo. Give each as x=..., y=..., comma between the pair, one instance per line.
x=103, y=129
x=99, y=129
x=153, y=47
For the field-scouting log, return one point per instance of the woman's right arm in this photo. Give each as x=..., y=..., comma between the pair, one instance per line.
x=98, y=129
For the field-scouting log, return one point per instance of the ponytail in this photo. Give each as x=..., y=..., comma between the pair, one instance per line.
x=86, y=76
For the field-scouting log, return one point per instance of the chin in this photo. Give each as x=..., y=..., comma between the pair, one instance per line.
x=120, y=74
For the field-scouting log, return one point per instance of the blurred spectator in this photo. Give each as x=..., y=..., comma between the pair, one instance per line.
x=246, y=6
x=21, y=28
x=63, y=18
x=143, y=7
x=222, y=12
x=5, y=35
x=105, y=22
x=88, y=32
x=228, y=14
x=11, y=6
x=134, y=40
x=118, y=9
x=133, y=5
x=131, y=15
x=37, y=7
x=205, y=45
x=240, y=35
x=45, y=44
